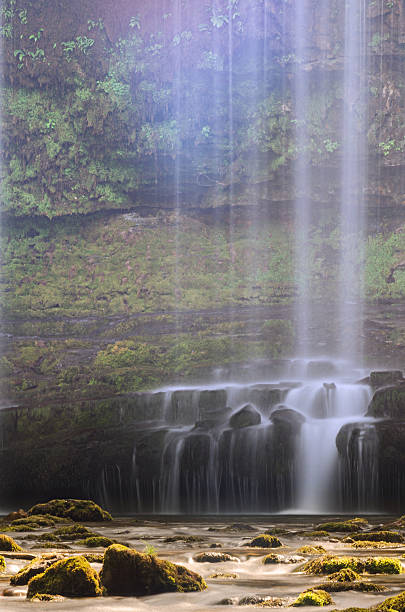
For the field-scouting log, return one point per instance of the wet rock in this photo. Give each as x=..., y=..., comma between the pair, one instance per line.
x=35, y=567
x=385, y=377
x=14, y=592
x=224, y=576
x=253, y=600
x=211, y=401
x=75, y=509
x=47, y=597
x=72, y=577
x=17, y=514
x=388, y=402
x=212, y=557
x=182, y=408
x=321, y=369
x=289, y=417
x=128, y=572
x=265, y=541
x=316, y=597
x=8, y=544
x=266, y=396
x=2, y=564
x=216, y=545
x=245, y=417
x=228, y=601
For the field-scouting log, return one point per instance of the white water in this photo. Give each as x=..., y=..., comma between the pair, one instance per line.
x=327, y=408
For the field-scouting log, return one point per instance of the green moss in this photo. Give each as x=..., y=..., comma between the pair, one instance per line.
x=313, y=598
x=329, y=564
x=344, y=575
x=351, y=525
x=2, y=564
x=265, y=541
x=72, y=577
x=271, y=559
x=34, y=522
x=95, y=541
x=340, y=587
x=393, y=604
x=319, y=533
x=128, y=572
x=75, y=509
x=75, y=532
x=311, y=550
x=379, y=536
x=8, y=544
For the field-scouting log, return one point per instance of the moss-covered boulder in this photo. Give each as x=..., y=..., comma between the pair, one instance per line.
x=379, y=536
x=75, y=509
x=311, y=550
x=393, y=604
x=329, y=564
x=8, y=544
x=128, y=572
x=2, y=564
x=34, y=567
x=214, y=557
x=382, y=378
x=265, y=541
x=351, y=525
x=313, y=598
x=72, y=577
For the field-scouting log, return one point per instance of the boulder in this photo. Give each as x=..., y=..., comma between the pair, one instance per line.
x=388, y=402
x=265, y=541
x=34, y=567
x=71, y=577
x=289, y=417
x=245, y=417
x=8, y=544
x=214, y=557
x=384, y=378
x=75, y=509
x=128, y=572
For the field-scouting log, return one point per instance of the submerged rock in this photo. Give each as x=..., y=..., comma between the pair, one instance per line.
x=72, y=577
x=245, y=417
x=128, y=572
x=75, y=509
x=214, y=557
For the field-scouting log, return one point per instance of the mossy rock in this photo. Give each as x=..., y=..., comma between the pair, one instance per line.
x=265, y=541
x=2, y=564
x=33, y=568
x=362, y=587
x=128, y=572
x=214, y=557
x=75, y=509
x=393, y=604
x=72, y=577
x=8, y=544
x=311, y=550
x=318, y=533
x=46, y=597
x=75, y=532
x=344, y=575
x=379, y=536
x=272, y=559
x=95, y=541
x=313, y=598
x=34, y=521
x=350, y=526
x=329, y=564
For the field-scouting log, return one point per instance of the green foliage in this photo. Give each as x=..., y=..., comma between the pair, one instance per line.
x=383, y=252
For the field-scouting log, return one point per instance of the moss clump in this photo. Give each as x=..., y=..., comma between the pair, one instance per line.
x=311, y=550
x=74, y=532
x=363, y=587
x=95, y=541
x=379, y=536
x=34, y=522
x=265, y=541
x=2, y=564
x=383, y=565
x=33, y=568
x=393, y=604
x=367, y=544
x=214, y=557
x=329, y=564
x=7, y=543
x=183, y=538
x=75, y=509
x=350, y=526
x=72, y=577
x=344, y=575
x=128, y=572
x=313, y=598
